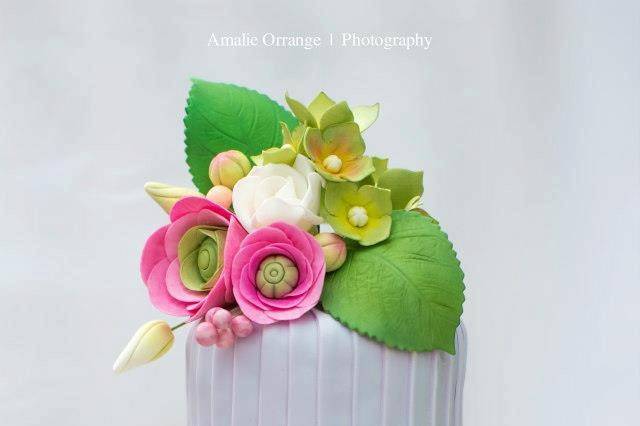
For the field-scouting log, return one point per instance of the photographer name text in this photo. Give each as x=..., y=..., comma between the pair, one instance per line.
x=309, y=42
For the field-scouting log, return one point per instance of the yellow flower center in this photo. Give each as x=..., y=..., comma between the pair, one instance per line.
x=332, y=163
x=358, y=216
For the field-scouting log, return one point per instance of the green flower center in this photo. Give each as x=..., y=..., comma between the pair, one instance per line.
x=276, y=276
x=332, y=163
x=203, y=259
x=358, y=216
x=273, y=272
x=200, y=255
x=207, y=258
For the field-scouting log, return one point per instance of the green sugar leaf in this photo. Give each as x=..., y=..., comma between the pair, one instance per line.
x=406, y=292
x=221, y=117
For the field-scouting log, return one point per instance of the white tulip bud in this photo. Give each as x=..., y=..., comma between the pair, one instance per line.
x=150, y=342
x=166, y=195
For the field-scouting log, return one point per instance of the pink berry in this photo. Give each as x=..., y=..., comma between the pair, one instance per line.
x=221, y=318
x=221, y=195
x=226, y=339
x=206, y=334
x=210, y=313
x=241, y=326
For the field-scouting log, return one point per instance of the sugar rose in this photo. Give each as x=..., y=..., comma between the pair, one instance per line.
x=183, y=262
x=279, y=192
x=277, y=272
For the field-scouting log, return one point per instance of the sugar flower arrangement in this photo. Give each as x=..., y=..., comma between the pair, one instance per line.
x=245, y=248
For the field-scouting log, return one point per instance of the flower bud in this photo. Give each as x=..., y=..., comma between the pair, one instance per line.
x=150, y=342
x=166, y=195
x=228, y=167
x=334, y=249
x=220, y=195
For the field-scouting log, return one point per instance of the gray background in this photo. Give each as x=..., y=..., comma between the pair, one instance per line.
x=523, y=115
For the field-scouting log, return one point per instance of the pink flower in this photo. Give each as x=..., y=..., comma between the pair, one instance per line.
x=182, y=262
x=277, y=271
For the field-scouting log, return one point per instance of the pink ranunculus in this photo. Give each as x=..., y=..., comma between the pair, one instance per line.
x=277, y=272
x=175, y=257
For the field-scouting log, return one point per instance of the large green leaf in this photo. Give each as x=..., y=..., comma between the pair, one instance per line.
x=221, y=117
x=405, y=292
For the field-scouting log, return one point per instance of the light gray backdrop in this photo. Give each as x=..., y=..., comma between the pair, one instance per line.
x=523, y=115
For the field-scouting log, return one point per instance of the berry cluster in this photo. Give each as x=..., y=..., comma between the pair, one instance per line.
x=221, y=327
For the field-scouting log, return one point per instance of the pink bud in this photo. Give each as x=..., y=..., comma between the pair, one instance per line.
x=241, y=326
x=228, y=167
x=206, y=334
x=334, y=249
x=221, y=319
x=220, y=195
x=226, y=339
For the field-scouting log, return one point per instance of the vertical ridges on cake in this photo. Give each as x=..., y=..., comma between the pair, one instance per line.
x=317, y=372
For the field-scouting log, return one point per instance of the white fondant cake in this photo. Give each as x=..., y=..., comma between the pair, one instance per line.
x=247, y=263
x=314, y=371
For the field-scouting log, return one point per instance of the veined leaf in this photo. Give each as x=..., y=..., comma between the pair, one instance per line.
x=221, y=117
x=406, y=292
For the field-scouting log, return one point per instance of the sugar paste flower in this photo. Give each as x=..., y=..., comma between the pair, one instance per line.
x=323, y=112
x=362, y=214
x=183, y=263
x=277, y=272
x=285, y=154
x=337, y=152
x=278, y=192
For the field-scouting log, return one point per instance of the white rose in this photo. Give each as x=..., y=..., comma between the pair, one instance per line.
x=278, y=192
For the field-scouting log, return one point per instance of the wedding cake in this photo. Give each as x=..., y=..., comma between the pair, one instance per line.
x=317, y=289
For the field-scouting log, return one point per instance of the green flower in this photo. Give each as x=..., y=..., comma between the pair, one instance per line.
x=323, y=112
x=337, y=152
x=404, y=185
x=200, y=253
x=362, y=214
x=285, y=154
